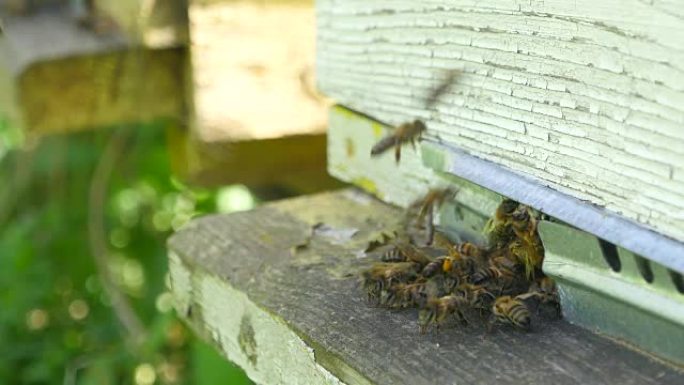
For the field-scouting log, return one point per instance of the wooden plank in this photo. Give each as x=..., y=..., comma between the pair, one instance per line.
x=296, y=162
x=300, y=318
x=586, y=96
x=259, y=120
x=253, y=81
x=60, y=77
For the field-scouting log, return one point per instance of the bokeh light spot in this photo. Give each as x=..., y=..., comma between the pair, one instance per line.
x=78, y=309
x=164, y=302
x=145, y=375
x=234, y=198
x=37, y=319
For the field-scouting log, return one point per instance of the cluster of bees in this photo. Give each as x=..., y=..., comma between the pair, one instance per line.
x=422, y=268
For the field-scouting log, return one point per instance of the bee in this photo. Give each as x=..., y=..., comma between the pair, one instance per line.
x=433, y=199
x=403, y=295
x=503, y=258
x=441, y=88
x=413, y=253
x=460, y=265
x=402, y=251
x=491, y=273
x=498, y=228
x=476, y=295
x=393, y=255
x=545, y=291
x=378, y=243
x=383, y=275
x=441, y=241
x=512, y=310
x=437, y=309
x=529, y=255
x=527, y=248
x=405, y=133
x=470, y=249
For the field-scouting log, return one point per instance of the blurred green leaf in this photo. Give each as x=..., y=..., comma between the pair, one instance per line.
x=56, y=322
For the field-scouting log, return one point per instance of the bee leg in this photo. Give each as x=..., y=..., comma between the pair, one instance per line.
x=430, y=226
x=423, y=328
x=557, y=306
x=464, y=320
x=413, y=144
x=397, y=152
x=490, y=324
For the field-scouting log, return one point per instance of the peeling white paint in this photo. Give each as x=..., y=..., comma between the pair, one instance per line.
x=280, y=356
x=586, y=96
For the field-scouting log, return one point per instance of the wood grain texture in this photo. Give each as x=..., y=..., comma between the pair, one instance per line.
x=585, y=96
x=299, y=317
x=59, y=77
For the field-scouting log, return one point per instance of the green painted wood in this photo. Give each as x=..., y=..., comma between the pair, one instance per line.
x=621, y=303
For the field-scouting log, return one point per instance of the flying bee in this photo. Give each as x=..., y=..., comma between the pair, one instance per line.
x=382, y=275
x=437, y=309
x=442, y=87
x=434, y=198
x=510, y=310
x=405, y=133
x=434, y=267
x=431, y=201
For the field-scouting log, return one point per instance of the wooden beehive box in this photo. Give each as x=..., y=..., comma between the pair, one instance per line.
x=59, y=75
x=574, y=108
x=585, y=97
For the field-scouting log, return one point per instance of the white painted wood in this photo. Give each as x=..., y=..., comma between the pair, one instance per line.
x=585, y=96
x=261, y=344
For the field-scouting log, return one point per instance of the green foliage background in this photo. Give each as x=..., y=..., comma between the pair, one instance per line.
x=56, y=321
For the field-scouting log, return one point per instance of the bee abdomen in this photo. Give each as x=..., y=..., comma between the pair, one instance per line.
x=393, y=255
x=431, y=269
x=484, y=274
x=383, y=145
x=519, y=316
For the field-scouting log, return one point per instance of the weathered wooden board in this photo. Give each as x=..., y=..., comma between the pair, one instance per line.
x=296, y=163
x=258, y=119
x=57, y=76
x=585, y=96
x=290, y=318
